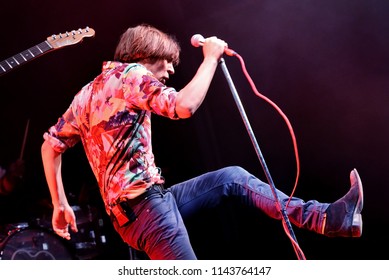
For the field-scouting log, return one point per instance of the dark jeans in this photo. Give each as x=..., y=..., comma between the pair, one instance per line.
x=159, y=230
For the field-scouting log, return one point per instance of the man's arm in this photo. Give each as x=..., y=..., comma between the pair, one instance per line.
x=63, y=214
x=192, y=95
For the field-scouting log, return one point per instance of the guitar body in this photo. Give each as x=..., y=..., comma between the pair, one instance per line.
x=52, y=43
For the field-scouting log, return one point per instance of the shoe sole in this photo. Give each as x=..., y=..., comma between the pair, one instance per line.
x=356, y=230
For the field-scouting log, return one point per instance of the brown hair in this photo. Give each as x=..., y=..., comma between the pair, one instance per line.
x=146, y=42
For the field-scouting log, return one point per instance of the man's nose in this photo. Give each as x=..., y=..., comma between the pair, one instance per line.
x=170, y=69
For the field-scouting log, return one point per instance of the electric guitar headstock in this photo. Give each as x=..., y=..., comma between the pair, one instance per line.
x=70, y=38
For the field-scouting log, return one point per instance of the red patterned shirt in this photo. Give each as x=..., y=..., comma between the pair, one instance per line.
x=112, y=117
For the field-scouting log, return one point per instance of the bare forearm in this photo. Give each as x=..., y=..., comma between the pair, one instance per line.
x=52, y=162
x=192, y=95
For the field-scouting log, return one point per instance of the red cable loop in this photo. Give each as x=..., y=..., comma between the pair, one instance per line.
x=282, y=115
x=295, y=245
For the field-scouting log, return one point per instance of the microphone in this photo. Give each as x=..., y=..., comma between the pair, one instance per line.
x=197, y=40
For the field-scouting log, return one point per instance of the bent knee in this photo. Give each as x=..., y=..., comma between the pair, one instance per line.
x=234, y=170
x=234, y=173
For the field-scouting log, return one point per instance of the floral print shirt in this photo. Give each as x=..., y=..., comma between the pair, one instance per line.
x=112, y=117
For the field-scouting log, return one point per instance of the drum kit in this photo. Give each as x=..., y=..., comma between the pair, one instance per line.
x=37, y=241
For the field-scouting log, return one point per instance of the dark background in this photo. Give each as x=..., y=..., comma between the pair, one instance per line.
x=325, y=63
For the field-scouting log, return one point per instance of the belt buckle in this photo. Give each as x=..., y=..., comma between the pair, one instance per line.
x=119, y=214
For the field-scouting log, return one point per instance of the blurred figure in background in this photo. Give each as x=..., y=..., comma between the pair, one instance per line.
x=12, y=193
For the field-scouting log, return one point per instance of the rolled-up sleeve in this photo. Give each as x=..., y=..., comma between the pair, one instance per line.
x=64, y=134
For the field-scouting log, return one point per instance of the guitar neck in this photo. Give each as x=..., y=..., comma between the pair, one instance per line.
x=52, y=43
x=23, y=57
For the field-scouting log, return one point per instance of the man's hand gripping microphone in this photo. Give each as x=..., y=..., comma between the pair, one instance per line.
x=197, y=40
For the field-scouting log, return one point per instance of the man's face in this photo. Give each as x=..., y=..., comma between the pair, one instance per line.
x=162, y=69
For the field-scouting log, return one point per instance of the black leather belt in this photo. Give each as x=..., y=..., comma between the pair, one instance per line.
x=122, y=211
x=150, y=191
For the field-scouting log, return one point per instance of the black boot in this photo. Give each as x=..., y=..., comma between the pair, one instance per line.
x=343, y=217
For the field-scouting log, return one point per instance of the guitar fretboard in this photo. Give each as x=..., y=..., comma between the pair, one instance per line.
x=21, y=58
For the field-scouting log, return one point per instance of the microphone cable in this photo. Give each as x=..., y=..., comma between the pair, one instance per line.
x=198, y=40
x=296, y=247
x=283, y=115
